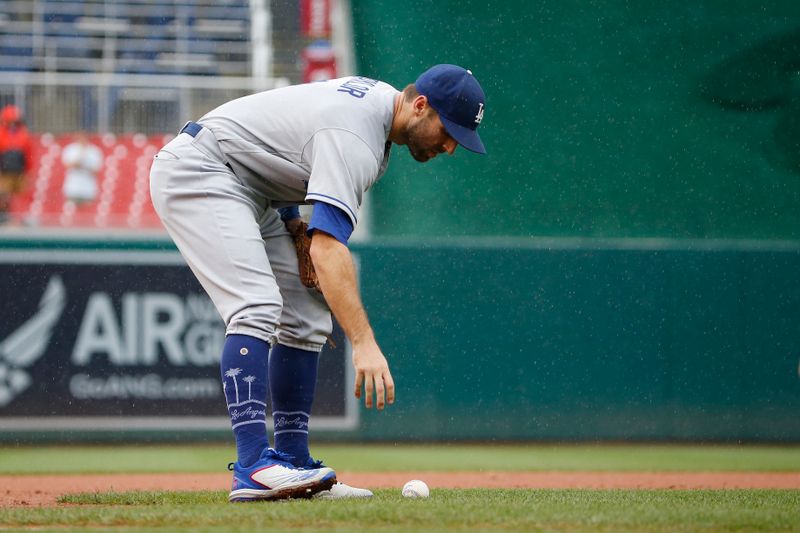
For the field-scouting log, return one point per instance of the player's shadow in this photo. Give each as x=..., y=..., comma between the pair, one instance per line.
x=764, y=78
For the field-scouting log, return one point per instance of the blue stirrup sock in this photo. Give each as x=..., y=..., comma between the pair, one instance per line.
x=292, y=379
x=245, y=383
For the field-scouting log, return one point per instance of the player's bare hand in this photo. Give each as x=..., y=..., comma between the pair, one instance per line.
x=373, y=375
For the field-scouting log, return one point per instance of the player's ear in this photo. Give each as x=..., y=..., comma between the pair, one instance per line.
x=420, y=104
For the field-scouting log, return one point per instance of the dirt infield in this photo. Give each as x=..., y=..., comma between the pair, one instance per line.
x=36, y=490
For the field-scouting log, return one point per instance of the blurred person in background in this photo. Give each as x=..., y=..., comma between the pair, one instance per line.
x=16, y=158
x=82, y=160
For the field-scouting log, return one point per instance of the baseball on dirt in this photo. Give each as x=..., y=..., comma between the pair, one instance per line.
x=416, y=489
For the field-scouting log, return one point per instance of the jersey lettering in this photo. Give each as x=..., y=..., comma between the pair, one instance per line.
x=357, y=86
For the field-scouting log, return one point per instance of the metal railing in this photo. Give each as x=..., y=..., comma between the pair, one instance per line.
x=123, y=66
x=58, y=102
x=131, y=66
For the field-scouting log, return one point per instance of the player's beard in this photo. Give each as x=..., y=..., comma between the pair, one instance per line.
x=416, y=145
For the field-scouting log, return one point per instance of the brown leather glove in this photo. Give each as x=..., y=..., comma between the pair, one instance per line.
x=302, y=245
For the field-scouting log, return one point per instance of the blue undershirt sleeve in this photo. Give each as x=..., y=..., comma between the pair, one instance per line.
x=289, y=213
x=332, y=221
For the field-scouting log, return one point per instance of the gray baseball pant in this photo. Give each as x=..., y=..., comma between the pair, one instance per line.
x=236, y=245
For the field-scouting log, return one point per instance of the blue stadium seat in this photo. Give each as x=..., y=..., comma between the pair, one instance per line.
x=157, y=36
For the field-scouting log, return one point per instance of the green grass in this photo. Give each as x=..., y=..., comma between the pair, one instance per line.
x=214, y=458
x=656, y=511
x=445, y=511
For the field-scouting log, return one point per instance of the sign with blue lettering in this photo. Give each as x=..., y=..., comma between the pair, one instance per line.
x=124, y=340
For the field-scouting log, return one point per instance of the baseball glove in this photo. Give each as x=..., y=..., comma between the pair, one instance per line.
x=302, y=245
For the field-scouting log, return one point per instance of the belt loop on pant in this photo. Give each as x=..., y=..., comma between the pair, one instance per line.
x=192, y=128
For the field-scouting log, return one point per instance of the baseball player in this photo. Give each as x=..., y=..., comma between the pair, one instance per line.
x=227, y=189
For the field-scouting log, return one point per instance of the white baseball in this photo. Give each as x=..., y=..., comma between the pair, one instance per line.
x=416, y=489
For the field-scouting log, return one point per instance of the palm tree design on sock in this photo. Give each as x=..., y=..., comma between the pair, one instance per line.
x=249, y=380
x=232, y=373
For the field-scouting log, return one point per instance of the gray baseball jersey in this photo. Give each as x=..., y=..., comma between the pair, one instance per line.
x=324, y=141
x=214, y=189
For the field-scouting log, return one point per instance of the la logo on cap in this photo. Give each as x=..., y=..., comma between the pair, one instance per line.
x=479, y=116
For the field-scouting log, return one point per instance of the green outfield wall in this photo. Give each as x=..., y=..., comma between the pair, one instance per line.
x=610, y=118
x=588, y=340
x=488, y=339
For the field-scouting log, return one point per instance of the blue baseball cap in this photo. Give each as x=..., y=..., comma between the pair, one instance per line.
x=458, y=98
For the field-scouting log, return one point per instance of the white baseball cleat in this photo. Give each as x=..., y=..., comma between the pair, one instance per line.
x=341, y=491
x=273, y=477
